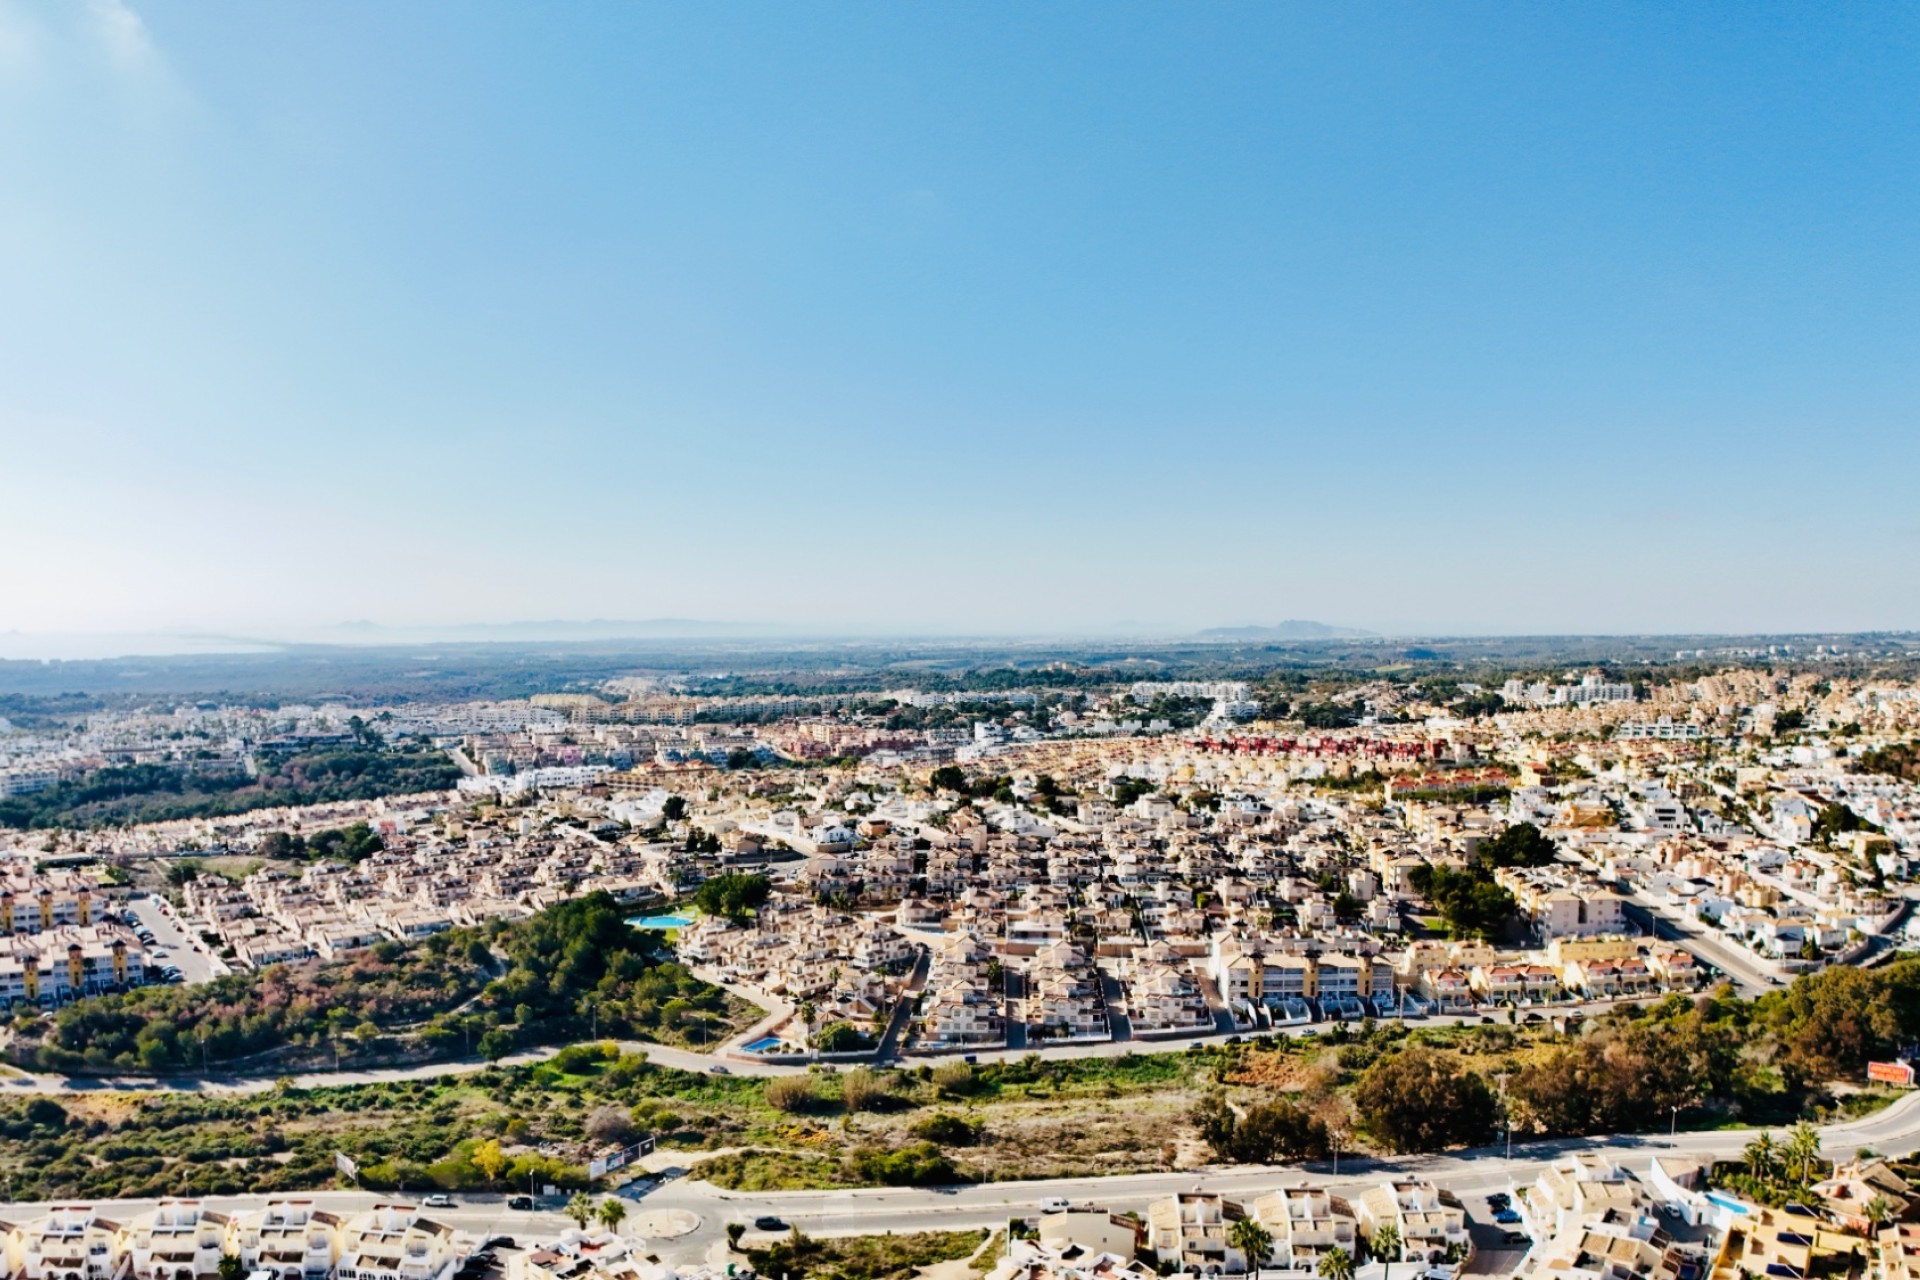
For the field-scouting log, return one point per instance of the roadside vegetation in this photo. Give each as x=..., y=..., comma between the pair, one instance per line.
x=883, y=1257
x=1385, y=1087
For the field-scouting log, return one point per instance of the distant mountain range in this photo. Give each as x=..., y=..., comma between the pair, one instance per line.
x=1292, y=629
x=554, y=629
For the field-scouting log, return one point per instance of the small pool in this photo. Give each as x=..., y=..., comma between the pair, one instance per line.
x=660, y=922
x=765, y=1044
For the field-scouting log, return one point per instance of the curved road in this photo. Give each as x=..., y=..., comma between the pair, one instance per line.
x=1470, y=1173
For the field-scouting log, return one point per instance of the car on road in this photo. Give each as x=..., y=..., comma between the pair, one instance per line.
x=767, y=1222
x=521, y=1202
x=438, y=1201
x=718, y=1070
x=1055, y=1204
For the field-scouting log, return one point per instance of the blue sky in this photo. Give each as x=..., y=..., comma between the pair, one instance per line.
x=981, y=318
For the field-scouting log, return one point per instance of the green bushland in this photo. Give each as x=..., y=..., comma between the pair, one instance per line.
x=557, y=976
x=1901, y=760
x=125, y=794
x=1720, y=1059
x=887, y=1257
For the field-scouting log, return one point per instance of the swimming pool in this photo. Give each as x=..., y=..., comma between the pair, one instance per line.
x=765, y=1044
x=660, y=922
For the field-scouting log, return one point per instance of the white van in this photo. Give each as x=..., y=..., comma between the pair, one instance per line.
x=1055, y=1204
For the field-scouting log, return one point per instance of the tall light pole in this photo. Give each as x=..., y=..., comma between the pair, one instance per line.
x=1506, y=1115
x=1673, y=1126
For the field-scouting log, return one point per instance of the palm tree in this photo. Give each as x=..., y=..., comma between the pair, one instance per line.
x=580, y=1209
x=611, y=1213
x=1879, y=1210
x=1335, y=1264
x=1803, y=1150
x=1252, y=1239
x=1386, y=1247
x=1763, y=1155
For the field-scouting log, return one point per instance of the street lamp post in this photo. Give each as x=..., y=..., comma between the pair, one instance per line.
x=1506, y=1114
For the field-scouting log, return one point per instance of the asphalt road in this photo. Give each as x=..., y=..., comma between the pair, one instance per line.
x=1471, y=1174
x=688, y=1060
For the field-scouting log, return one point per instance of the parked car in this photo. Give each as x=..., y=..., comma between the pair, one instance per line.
x=767, y=1222
x=521, y=1202
x=1506, y=1217
x=438, y=1201
x=1515, y=1237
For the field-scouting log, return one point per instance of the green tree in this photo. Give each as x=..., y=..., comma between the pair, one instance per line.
x=734, y=895
x=1386, y=1247
x=611, y=1213
x=1251, y=1239
x=1520, y=845
x=1422, y=1100
x=1762, y=1156
x=231, y=1267
x=1803, y=1151
x=580, y=1209
x=1335, y=1264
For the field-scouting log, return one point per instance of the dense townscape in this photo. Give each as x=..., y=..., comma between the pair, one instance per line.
x=1290, y=917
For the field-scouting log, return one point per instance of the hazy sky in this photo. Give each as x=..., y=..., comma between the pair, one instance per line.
x=980, y=317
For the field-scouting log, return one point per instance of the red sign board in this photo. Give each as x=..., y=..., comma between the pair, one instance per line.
x=1890, y=1072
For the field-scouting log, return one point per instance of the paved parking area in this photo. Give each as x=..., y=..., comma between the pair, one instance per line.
x=187, y=953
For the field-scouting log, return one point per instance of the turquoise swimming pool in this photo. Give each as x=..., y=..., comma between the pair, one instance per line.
x=660, y=922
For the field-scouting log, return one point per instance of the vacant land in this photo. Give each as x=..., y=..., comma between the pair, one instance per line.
x=924, y=1125
x=886, y=1257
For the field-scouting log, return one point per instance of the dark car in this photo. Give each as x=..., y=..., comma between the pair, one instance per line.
x=767, y=1222
x=521, y=1202
x=1506, y=1217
